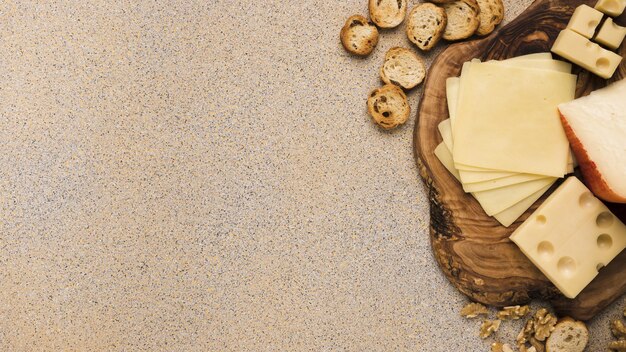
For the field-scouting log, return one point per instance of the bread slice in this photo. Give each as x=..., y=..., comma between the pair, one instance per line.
x=388, y=106
x=387, y=13
x=463, y=19
x=358, y=36
x=491, y=14
x=403, y=68
x=569, y=335
x=425, y=25
x=595, y=126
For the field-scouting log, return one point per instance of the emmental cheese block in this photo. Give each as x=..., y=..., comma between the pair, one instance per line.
x=611, y=35
x=611, y=7
x=591, y=56
x=585, y=20
x=571, y=236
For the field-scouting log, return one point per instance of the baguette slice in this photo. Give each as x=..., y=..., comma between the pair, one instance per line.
x=388, y=106
x=569, y=335
x=403, y=68
x=425, y=25
x=595, y=126
x=463, y=19
x=387, y=13
x=491, y=14
x=358, y=36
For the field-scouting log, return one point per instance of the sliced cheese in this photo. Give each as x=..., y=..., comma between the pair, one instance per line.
x=571, y=236
x=509, y=215
x=452, y=96
x=443, y=154
x=500, y=182
x=552, y=65
x=445, y=129
x=535, y=56
x=512, y=110
x=497, y=200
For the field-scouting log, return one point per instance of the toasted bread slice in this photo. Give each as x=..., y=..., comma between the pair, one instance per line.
x=388, y=106
x=569, y=335
x=491, y=14
x=425, y=25
x=463, y=19
x=403, y=68
x=358, y=36
x=387, y=13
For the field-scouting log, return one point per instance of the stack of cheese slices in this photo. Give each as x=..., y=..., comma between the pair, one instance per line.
x=504, y=140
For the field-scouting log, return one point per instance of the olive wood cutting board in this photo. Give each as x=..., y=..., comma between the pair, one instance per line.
x=473, y=249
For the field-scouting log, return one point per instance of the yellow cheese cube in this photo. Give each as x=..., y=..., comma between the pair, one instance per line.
x=611, y=7
x=571, y=236
x=591, y=56
x=611, y=35
x=585, y=20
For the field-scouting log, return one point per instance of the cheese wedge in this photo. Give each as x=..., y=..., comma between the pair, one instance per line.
x=596, y=128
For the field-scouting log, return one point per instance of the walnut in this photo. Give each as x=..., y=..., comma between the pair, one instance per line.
x=523, y=348
x=488, y=327
x=619, y=346
x=544, y=324
x=538, y=345
x=472, y=310
x=526, y=333
x=618, y=329
x=513, y=312
x=499, y=347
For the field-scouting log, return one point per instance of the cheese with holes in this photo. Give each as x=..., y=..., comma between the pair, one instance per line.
x=585, y=20
x=590, y=56
x=611, y=7
x=507, y=119
x=611, y=35
x=571, y=236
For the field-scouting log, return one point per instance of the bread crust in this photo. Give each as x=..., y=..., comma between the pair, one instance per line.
x=387, y=13
x=388, y=106
x=436, y=32
x=358, y=36
x=491, y=15
x=463, y=19
x=391, y=58
x=592, y=176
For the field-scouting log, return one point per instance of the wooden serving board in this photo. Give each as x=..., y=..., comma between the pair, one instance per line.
x=473, y=249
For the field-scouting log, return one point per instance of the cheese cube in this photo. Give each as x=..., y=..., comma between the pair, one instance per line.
x=611, y=35
x=571, y=236
x=579, y=50
x=611, y=7
x=585, y=20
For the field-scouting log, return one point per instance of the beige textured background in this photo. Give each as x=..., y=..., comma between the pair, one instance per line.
x=202, y=176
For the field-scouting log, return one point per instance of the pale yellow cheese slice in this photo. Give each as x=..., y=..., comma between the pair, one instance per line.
x=445, y=130
x=571, y=236
x=535, y=56
x=509, y=215
x=495, y=199
x=500, y=182
x=512, y=110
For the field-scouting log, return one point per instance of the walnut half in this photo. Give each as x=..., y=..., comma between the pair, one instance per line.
x=618, y=329
x=488, y=327
x=544, y=324
x=500, y=347
x=472, y=310
x=513, y=312
x=619, y=346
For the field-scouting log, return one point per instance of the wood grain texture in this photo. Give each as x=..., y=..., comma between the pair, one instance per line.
x=473, y=249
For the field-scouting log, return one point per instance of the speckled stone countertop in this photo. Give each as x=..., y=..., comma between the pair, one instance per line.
x=203, y=176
